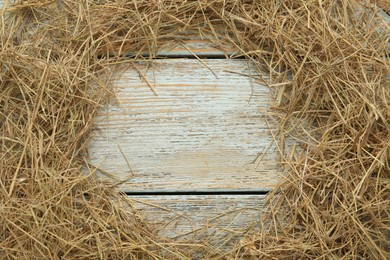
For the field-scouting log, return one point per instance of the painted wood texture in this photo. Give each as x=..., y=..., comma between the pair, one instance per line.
x=192, y=44
x=186, y=45
x=204, y=129
x=219, y=221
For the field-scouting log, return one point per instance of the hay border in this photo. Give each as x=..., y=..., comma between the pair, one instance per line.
x=334, y=202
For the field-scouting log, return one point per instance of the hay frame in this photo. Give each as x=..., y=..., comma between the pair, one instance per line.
x=327, y=62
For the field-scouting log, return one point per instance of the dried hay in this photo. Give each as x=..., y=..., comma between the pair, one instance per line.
x=327, y=61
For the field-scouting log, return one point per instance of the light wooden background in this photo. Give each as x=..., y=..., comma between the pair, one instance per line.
x=202, y=127
x=191, y=133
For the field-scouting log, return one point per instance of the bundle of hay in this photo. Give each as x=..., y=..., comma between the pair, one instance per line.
x=328, y=63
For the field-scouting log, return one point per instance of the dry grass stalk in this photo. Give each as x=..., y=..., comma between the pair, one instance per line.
x=325, y=59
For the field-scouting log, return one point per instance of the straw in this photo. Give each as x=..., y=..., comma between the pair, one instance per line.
x=326, y=60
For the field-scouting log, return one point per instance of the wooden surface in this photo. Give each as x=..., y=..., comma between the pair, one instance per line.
x=206, y=128
x=187, y=45
x=218, y=221
x=206, y=47
x=187, y=216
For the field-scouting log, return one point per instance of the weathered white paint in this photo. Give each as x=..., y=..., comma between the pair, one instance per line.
x=222, y=220
x=189, y=45
x=203, y=130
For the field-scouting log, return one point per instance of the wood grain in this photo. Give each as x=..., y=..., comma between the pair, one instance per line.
x=218, y=221
x=204, y=130
x=194, y=45
x=187, y=46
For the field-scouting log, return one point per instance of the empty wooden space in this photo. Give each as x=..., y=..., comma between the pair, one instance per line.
x=182, y=135
x=203, y=127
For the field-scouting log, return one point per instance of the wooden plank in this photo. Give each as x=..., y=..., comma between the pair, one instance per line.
x=218, y=220
x=205, y=130
x=200, y=47
x=187, y=46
